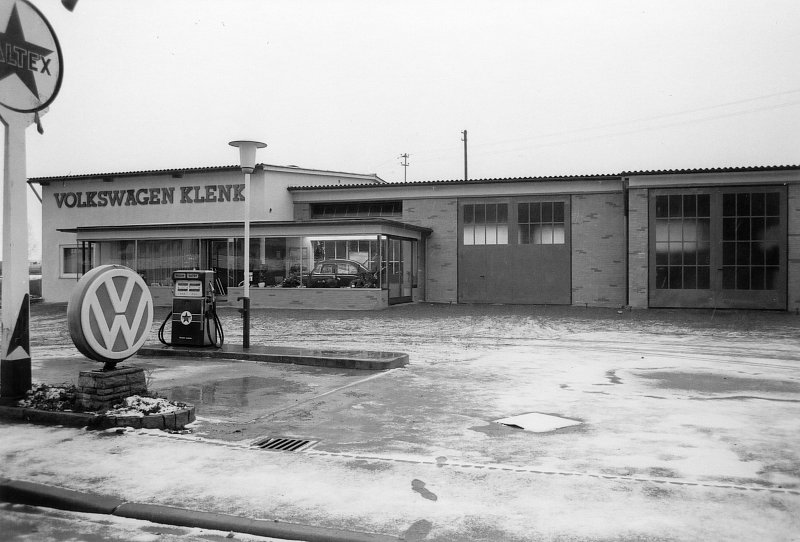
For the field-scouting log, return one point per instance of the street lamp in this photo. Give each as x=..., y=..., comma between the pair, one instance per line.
x=247, y=160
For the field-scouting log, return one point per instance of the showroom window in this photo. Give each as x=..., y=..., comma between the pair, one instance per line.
x=158, y=258
x=330, y=261
x=298, y=262
x=76, y=260
x=116, y=252
x=541, y=223
x=485, y=224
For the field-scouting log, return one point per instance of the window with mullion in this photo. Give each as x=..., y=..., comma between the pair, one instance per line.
x=541, y=223
x=683, y=245
x=485, y=224
x=750, y=247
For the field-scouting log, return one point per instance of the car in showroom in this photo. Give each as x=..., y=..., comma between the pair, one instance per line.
x=339, y=273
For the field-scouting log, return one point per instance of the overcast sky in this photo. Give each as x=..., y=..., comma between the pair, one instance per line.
x=542, y=87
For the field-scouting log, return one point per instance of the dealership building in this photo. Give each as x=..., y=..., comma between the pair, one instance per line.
x=710, y=238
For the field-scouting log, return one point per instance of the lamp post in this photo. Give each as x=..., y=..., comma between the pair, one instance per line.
x=247, y=160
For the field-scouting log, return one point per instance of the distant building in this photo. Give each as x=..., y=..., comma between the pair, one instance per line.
x=724, y=238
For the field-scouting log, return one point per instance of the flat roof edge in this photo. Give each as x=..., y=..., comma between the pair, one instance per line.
x=328, y=223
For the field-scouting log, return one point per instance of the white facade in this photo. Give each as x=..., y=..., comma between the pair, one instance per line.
x=170, y=198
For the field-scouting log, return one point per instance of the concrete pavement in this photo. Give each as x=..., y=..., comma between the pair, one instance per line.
x=20, y=492
x=689, y=429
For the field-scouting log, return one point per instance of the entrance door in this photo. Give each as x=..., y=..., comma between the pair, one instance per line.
x=718, y=248
x=399, y=269
x=222, y=259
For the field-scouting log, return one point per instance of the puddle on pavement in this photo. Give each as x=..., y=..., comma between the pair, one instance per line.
x=716, y=383
x=233, y=392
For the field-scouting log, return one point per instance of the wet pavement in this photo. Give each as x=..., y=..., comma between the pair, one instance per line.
x=689, y=425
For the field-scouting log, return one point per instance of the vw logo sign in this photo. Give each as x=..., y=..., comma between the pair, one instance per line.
x=110, y=314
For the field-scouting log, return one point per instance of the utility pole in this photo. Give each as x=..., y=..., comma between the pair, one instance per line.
x=405, y=165
x=464, y=139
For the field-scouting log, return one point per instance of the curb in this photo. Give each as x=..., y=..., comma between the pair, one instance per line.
x=173, y=420
x=334, y=359
x=53, y=417
x=20, y=492
x=34, y=494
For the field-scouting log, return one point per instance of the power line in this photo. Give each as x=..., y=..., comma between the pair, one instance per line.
x=441, y=150
x=664, y=116
x=637, y=130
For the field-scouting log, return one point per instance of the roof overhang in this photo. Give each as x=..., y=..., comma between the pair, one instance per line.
x=721, y=177
x=262, y=228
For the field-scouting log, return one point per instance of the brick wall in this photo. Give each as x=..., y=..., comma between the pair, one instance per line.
x=598, y=250
x=441, y=215
x=793, y=248
x=638, y=248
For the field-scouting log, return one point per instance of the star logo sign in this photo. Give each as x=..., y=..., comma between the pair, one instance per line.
x=19, y=56
x=186, y=318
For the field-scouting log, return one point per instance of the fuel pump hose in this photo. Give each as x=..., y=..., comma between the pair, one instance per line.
x=212, y=315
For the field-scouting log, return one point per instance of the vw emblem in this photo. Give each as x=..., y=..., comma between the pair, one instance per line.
x=110, y=314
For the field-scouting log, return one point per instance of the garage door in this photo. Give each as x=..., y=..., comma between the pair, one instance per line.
x=514, y=250
x=718, y=248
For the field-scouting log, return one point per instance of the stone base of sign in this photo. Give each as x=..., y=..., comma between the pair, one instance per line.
x=171, y=421
x=100, y=390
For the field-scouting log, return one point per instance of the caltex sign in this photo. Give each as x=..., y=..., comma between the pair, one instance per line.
x=30, y=58
x=110, y=314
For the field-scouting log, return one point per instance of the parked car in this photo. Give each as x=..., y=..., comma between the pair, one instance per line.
x=340, y=274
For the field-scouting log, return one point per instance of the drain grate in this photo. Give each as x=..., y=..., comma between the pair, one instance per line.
x=283, y=444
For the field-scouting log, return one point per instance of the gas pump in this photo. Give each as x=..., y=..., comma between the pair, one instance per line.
x=194, y=311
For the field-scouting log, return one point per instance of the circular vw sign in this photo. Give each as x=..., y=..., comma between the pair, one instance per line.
x=30, y=58
x=110, y=313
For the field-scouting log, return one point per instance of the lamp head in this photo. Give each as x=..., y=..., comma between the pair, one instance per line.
x=247, y=153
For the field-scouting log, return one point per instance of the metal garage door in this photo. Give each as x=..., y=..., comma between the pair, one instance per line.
x=514, y=250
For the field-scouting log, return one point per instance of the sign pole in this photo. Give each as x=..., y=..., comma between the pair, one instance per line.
x=15, y=358
x=30, y=77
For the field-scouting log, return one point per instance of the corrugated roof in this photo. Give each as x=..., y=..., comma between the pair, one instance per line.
x=183, y=171
x=381, y=182
x=141, y=173
x=563, y=178
x=741, y=169
x=601, y=176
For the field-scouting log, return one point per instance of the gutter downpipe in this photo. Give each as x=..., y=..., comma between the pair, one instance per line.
x=626, y=208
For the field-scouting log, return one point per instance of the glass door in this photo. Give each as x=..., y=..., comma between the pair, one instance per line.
x=399, y=260
x=222, y=259
x=718, y=248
